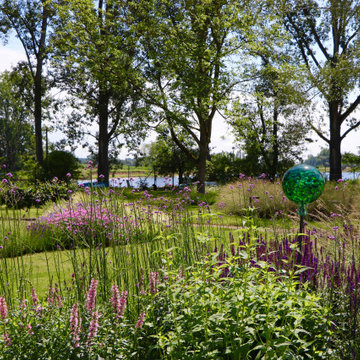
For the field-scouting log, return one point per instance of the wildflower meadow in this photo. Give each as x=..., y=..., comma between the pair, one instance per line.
x=118, y=273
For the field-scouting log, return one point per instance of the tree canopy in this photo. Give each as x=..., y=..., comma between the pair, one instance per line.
x=325, y=35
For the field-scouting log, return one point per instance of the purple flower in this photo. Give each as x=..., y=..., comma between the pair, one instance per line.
x=93, y=327
x=34, y=297
x=140, y=321
x=68, y=175
x=101, y=176
x=91, y=296
x=3, y=308
x=153, y=282
x=118, y=302
x=7, y=339
x=9, y=174
x=4, y=181
x=75, y=325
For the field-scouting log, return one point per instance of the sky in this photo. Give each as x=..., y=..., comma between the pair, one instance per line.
x=222, y=139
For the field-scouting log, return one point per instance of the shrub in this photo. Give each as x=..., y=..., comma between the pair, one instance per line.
x=251, y=313
x=59, y=164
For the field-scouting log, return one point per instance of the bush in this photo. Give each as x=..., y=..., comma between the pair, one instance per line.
x=35, y=195
x=253, y=313
x=60, y=164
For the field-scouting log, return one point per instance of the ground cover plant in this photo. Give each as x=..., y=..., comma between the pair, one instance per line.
x=119, y=273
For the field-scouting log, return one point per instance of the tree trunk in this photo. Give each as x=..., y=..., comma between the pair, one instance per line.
x=38, y=114
x=103, y=140
x=335, y=143
x=201, y=167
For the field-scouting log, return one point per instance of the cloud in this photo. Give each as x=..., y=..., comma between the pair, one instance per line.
x=9, y=58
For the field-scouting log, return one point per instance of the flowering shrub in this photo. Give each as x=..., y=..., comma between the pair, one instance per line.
x=85, y=222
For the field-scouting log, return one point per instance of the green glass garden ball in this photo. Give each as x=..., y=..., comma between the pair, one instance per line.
x=303, y=184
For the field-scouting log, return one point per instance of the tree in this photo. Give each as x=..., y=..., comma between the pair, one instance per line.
x=187, y=49
x=95, y=62
x=270, y=125
x=166, y=158
x=30, y=21
x=326, y=35
x=16, y=132
x=353, y=161
x=321, y=159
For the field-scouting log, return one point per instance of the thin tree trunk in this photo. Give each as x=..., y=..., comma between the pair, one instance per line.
x=335, y=143
x=201, y=167
x=38, y=114
x=103, y=140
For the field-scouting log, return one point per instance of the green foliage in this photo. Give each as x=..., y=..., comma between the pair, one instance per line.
x=321, y=159
x=224, y=167
x=166, y=158
x=34, y=195
x=254, y=313
x=271, y=125
x=60, y=164
x=16, y=133
x=353, y=161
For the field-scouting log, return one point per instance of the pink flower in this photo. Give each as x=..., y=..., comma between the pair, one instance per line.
x=29, y=329
x=153, y=282
x=140, y=321
x=118, y=302
x=50, y=298
x=93, y=327
x=75, y=325
x=91, y=296
x=3, y=308
x=7, y=339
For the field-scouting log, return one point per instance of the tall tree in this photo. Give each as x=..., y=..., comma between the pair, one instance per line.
x=188, y=48
x=16, y=132
x=326, y=36
x=30, y=21
x=98, y=49
x=271, y=124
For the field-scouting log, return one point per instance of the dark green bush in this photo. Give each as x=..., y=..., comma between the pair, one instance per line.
x=60, y=164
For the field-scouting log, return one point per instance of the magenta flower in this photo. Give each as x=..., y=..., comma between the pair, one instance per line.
x=153, y=282
x=34, y=297
x=75, y=325
x=140, y=321
x=93, y=327
x=7, y=339
x=50, y=299
x=3, y=308
x=91, y=296
x=118, y=302
x=29, y=329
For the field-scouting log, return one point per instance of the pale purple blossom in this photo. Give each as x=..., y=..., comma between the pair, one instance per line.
x=75, y=325
x=140, y=321
x=3, y=308
x=91, y=296
x=93, y=327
